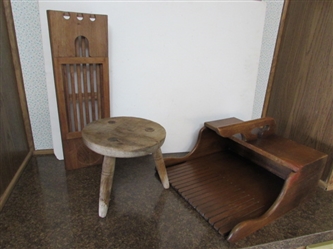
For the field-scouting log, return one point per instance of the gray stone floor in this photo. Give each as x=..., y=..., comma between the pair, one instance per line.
x=54, y=208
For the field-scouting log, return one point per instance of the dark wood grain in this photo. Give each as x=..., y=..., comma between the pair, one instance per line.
x=244, y=184
x=16, y=144
x=232, y=190
x=300, y=90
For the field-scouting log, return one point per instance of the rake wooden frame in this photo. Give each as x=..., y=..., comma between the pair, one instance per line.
x=79, y=44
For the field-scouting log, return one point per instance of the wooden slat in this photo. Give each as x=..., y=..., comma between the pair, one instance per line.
x=43, y=152
x=80, y=99
x=86, y=96
x=66, y=83
x=195, y=170
x=217, y=192
x=92, y=90
x=81, y=60
x=237, y=210
x=90, y=96
x=205, y=192
x=99, y=94
x=215, y=208
x=73, y=94
x=187, y=166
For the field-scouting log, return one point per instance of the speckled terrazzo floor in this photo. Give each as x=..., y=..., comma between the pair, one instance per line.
x=54, y=208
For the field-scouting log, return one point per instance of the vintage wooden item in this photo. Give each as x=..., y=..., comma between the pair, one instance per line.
x=123, y=137
x=300, y=90
x=79, y=44
x=241, y=176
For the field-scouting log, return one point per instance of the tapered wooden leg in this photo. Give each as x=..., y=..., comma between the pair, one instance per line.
x=160, y=166
x=106, y=185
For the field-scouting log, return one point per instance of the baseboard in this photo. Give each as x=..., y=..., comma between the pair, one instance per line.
x=11, y=185
x=43, y=152
x=175, y=154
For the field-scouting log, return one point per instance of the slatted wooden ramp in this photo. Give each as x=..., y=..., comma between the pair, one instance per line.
x=225, y=188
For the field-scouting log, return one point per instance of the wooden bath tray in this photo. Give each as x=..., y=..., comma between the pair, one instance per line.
x=240, y=176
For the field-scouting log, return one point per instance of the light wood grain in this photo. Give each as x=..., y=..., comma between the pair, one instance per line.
x=106, y=185
x=160, y=166
x=124, y=137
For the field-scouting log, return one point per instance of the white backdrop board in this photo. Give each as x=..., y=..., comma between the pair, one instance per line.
x=177, y=63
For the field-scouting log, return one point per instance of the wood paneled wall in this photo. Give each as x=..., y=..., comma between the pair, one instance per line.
x=300, y=88
x=16, y=144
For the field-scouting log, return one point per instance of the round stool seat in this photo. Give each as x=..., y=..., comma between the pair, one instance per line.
x=123, y=136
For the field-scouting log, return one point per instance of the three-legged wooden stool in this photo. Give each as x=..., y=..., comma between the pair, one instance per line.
x=123, y=137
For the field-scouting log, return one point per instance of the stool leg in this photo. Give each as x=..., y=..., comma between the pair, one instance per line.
x=160, y=166
x=106, y=185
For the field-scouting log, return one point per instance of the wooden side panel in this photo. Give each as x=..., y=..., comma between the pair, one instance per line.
x=296, y=188
x=79, y=45
x=301, y=89
x=16, y=143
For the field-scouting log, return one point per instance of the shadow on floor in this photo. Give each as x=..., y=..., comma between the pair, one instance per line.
x=54, y=208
